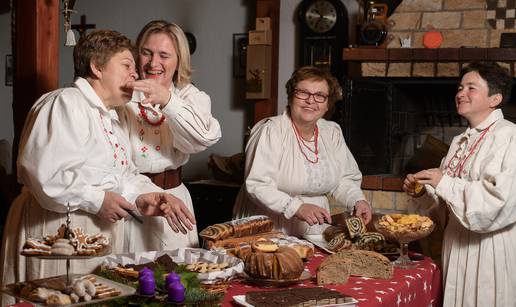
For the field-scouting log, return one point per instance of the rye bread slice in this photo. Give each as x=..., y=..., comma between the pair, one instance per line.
x=363, y=263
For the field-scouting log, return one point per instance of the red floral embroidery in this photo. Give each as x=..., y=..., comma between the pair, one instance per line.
x=158, y=147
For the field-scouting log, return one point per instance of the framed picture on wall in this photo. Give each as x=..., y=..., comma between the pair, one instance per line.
x=240, y=42
x=9, y=70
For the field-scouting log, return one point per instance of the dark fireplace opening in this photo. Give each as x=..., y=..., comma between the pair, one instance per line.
x=394, y=126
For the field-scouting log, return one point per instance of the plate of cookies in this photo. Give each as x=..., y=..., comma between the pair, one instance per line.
x=212, y=266
x=83, y=290
x=75, y=245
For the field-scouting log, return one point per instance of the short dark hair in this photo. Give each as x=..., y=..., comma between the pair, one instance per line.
x=99, y=46
x=312, y=72
x=498, y=79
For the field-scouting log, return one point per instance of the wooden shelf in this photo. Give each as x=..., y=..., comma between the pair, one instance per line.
x=428, y=55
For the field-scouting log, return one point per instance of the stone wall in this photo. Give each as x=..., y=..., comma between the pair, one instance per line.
x=461, y=23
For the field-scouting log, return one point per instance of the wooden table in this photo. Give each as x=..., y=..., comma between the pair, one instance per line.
x=419, y=286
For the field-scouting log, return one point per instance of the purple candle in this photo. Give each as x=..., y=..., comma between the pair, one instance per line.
x=176, y=291
x=145, y=271
x=172, y=277
x=147, y=285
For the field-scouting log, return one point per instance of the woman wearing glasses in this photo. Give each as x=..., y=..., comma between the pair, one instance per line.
x=297, y=160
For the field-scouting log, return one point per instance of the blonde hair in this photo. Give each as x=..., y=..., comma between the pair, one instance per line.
x=183, y=73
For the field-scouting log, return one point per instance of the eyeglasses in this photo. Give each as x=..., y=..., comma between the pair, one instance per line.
x=318, y=97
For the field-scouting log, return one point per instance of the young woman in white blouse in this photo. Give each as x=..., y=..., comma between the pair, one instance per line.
x=476, y=185
x=167, y=120
x=297, y=160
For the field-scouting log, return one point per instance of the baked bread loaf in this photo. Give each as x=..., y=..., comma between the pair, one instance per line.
x=233, y=242
x=373, y=241
x=330, y=232
x=339, y=242
x=283, y=264
x=251, y=225
x=217, y=232
x=355, y=227
x=303, y=248
x=363, y=263
x=238, y=228
x=333, y=272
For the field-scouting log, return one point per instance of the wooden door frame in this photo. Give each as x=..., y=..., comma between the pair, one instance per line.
x=269, y=107
x=36, y=50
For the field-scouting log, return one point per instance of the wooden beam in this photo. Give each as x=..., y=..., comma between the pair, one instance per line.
x=36, y=54
x=269, y=107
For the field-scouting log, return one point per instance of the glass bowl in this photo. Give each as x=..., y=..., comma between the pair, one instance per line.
x=404, y=236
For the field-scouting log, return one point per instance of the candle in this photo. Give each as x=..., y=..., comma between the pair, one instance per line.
x=176, y=290
x=147, y=285
x=171, y=278
x=145, y=271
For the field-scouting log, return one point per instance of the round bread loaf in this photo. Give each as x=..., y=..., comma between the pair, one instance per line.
x=282, y=264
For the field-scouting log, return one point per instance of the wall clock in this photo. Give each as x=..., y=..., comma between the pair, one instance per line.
x=323, y=33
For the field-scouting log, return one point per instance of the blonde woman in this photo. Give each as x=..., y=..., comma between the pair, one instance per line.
x=167, y=120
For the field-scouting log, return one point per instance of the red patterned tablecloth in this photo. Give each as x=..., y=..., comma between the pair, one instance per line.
x=419, y=286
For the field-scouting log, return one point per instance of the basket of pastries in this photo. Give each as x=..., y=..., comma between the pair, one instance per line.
x=237, y=237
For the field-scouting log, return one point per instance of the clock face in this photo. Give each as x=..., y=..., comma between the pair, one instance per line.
x=321, y=16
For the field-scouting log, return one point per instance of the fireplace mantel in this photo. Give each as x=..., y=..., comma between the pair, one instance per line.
x=428, y=55
x=421, y=62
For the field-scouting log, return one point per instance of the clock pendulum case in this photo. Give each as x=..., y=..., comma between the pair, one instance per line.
x=323, y=33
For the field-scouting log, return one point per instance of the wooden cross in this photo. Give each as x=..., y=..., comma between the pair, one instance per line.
x=83, y=26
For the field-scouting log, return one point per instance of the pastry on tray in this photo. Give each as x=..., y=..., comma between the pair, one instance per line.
x=53, y=291
x=78, y=243
x=237, y=228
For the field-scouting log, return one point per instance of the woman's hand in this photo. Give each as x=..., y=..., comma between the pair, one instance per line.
x=172, y=208
x=409, y=185
x=363, y=211
x=154, y=92
x=313, y=214
x=113, y=207
x=430, y=176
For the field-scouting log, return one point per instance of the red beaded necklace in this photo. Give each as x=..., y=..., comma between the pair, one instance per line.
x=457, y=165
x=143, y=113
x=302, y=143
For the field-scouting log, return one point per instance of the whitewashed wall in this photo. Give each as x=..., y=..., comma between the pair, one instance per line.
x=213, y=22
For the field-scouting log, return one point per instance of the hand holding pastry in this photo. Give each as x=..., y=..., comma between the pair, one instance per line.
x=430, y=176
x=412, y=187
x=154, y=92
